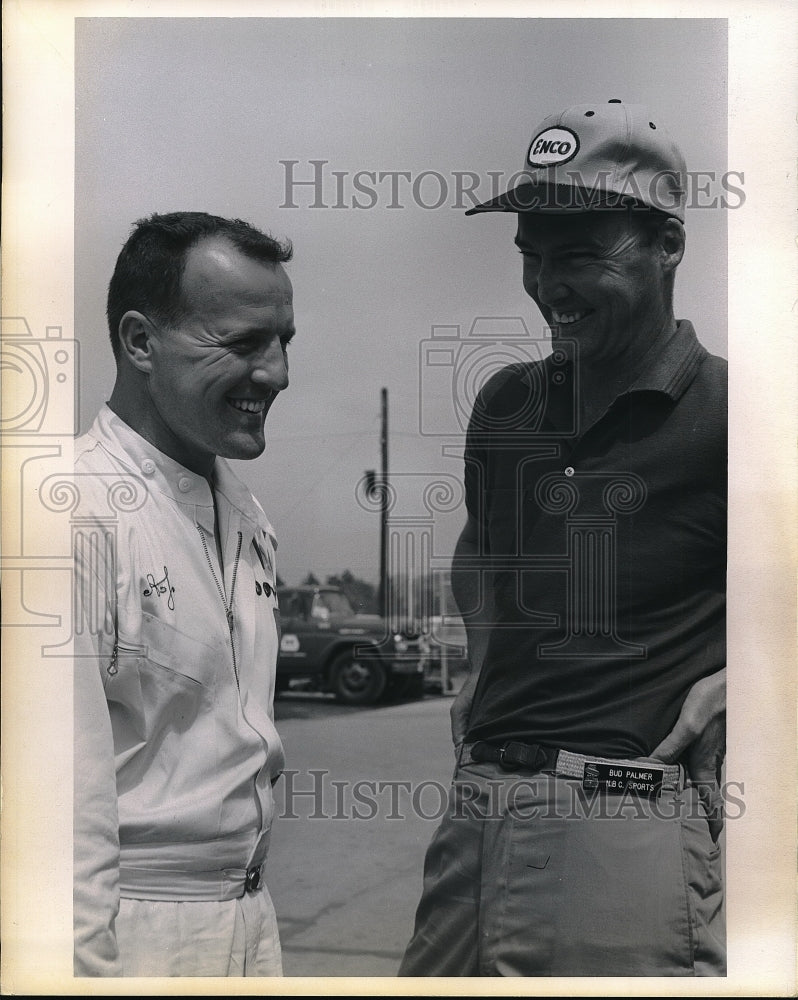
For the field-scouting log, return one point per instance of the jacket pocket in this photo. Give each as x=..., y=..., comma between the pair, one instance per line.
x=181, y=654
x=160, y=679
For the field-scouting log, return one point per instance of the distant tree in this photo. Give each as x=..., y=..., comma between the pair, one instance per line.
x=362, y=594
x=310, y=581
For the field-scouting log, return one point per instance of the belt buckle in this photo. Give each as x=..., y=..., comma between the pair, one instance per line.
x=506, y=765
x=523, y=760
x=252, y=879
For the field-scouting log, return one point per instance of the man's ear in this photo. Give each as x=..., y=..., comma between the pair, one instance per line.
x=671, y=240
x=135, y=340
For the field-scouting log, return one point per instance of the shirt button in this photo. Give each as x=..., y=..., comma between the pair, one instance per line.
x=184, y=484
x=148, y=466
x=569, y=471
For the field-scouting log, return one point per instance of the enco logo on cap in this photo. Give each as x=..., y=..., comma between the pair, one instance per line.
x=551, y=146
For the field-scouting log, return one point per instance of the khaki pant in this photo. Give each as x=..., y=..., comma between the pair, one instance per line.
x=531, y=876
x=237, y=937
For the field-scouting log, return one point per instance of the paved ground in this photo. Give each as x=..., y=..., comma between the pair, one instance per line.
x=345, y=861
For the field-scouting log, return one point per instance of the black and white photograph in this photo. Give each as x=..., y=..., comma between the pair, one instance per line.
x=399, y=486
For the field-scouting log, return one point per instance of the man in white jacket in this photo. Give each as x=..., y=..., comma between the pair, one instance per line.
x=177, y=624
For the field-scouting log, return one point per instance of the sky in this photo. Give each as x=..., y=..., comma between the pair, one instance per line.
x=231, y=115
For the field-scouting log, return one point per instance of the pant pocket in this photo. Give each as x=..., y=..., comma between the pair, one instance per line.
x=520, y=918
x=703, y=864
x=595, y=887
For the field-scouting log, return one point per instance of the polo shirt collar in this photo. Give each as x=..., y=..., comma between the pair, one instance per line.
x=670, y=370
x=675, y=365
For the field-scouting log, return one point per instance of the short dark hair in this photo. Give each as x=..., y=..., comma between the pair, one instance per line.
x=149, y=268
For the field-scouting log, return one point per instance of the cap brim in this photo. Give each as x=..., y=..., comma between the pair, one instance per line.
x=553, y=199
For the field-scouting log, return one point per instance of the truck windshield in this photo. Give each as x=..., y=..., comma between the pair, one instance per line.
x=329, y=604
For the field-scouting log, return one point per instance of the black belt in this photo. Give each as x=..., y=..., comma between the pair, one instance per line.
x=512, y=756
x=642, y=776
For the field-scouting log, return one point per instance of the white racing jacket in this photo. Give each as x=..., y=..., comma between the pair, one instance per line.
x=175, y=657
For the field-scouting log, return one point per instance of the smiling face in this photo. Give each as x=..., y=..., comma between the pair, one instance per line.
x=212, y=377
x=597, y=278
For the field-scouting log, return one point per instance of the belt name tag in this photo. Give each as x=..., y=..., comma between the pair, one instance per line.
x=621, y=778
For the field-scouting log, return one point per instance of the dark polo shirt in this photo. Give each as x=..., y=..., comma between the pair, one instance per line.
x=608, y=544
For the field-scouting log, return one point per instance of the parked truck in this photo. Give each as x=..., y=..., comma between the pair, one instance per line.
x=326, y=646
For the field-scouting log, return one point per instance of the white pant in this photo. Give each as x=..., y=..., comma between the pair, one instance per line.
x=237, y=937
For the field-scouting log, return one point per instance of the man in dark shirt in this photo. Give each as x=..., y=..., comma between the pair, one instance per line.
x=582, y=834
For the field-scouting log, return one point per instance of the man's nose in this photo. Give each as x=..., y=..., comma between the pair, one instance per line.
x=271, y=368
x=551, y=286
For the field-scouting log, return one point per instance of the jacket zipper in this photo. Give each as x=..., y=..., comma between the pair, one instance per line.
x=113, y=664
x=228, y=608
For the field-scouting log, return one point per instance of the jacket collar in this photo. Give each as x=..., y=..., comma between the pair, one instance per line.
x=174, y=480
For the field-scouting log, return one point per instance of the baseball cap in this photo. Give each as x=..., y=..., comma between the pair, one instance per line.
x=592, y=156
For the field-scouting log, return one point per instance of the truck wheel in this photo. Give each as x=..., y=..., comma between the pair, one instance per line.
x=355, y=680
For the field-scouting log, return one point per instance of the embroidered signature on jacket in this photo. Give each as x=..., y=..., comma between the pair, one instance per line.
x=162, y=586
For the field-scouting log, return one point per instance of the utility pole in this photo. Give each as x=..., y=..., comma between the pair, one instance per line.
x=383, y=595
